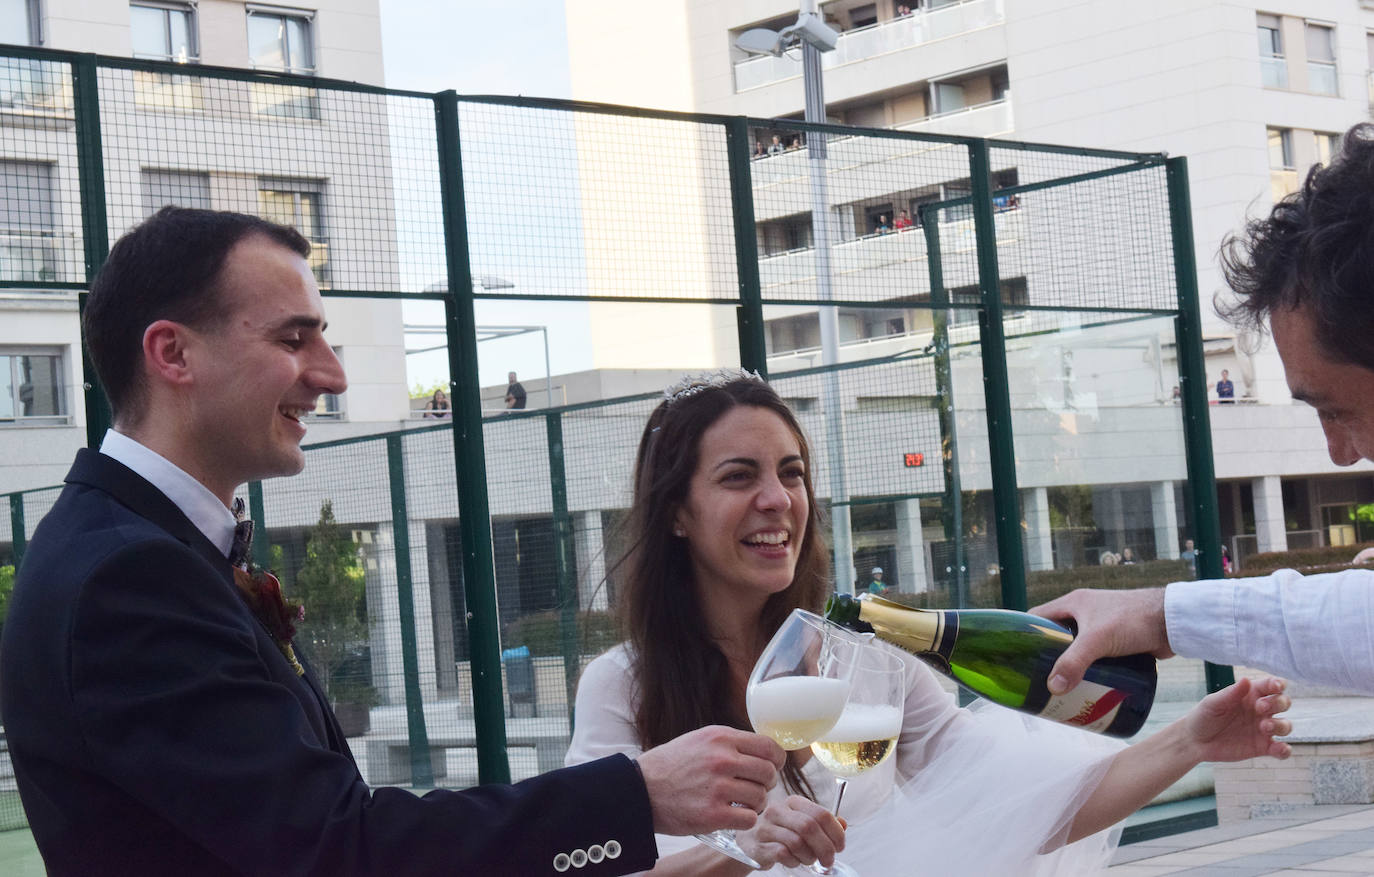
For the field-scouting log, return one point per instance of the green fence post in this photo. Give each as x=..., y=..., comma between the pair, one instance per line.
x=1011, y=554
x=474, y=521
x=753, y=349
x=19, y=538
x=262, y=548
x=565, y=566
x=421, y=769
x=1192, y=384
x=95, y=232
x=952, y=515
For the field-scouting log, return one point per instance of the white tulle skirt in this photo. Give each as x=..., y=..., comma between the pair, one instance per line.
x=1007, y=789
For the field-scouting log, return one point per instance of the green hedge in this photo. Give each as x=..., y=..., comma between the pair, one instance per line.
x=542, y=633
x=1307, y=560
x=1044, y=585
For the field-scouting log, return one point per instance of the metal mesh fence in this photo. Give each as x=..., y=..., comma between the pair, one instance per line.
x=628, y=236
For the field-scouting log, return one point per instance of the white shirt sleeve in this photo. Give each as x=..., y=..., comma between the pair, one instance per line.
x=1318, y=628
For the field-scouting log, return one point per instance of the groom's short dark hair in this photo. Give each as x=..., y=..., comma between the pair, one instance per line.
x=166, y=268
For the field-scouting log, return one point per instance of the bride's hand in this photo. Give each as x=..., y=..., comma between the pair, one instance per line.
x=794, y=832
x=1241, y=721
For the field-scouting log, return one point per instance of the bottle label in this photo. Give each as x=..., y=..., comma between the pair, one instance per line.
x=1090, y=706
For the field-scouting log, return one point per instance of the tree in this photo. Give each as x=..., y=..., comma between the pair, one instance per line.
x=330, y=584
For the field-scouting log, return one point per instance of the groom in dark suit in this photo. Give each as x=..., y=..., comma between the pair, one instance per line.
x=155, y=722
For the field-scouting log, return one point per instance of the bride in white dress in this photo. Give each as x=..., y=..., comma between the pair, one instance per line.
x=723, y=543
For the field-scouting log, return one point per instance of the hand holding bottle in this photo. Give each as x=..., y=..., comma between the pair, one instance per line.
x=1110, y=624
x=793, y=833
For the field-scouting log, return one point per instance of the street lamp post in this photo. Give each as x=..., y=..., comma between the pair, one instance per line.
x=815, y=37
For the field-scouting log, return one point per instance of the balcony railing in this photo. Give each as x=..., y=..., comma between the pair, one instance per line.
x=979, y=120
x=894, y=35
x=1321, y=77
x=1274, y=71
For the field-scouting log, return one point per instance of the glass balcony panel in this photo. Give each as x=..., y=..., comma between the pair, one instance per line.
x=893, y=35
x=1321, y=77
x=1274, y=72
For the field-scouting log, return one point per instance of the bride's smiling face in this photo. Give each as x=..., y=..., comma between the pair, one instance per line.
x=746, y=509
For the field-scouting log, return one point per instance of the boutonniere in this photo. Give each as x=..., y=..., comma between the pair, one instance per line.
x=262, y=591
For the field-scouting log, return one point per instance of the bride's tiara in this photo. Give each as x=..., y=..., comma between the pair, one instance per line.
x=693, y=384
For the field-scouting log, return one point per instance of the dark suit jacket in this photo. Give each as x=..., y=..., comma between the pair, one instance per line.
x=156, y=729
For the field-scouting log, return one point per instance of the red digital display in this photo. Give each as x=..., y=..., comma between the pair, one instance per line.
x=913, y=460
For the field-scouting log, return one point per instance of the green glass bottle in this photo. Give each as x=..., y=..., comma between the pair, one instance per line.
x=1006, y=657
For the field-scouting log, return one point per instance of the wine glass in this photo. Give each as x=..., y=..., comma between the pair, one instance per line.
x=866, y=734
x=796, y=692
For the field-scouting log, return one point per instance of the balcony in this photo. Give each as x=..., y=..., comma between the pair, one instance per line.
x=924, y=26
x=980, y=120
x=1274, y=71
x=868, y=268
x=34, y=87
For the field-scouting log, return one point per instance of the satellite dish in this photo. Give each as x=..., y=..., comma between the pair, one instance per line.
x=759, y=41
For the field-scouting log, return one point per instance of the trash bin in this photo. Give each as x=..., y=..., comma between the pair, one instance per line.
x=519, y=681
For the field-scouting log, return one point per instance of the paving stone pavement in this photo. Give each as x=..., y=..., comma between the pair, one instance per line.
x=1327, y=840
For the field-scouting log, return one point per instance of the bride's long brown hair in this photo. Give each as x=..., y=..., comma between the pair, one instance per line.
x=683, y=679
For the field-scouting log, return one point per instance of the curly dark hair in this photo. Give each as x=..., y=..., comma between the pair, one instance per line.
x=1315, y=250
x=682, y=678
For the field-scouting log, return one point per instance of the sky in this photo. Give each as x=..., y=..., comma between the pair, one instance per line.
x=481, y=48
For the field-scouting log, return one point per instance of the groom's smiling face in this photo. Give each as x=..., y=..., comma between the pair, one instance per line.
x=260, y=372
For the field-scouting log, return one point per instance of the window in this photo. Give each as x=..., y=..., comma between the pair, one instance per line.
x=28, y=224
x=299, y=204
x=1327, y=145
x=1273, y=65
x=31, y=386
x=1283, y=174
x=1280, y=149
x=182, y=188
x=163, y=32
x=1321, y=58
x=281, y=40
x=19, y=22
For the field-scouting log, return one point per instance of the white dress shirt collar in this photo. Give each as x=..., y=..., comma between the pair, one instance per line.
x=194, y=499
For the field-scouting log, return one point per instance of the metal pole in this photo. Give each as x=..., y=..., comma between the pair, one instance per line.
x=474, y=521
x=1011, y=553
x=421, y=768
x=1192, y=387
x=953, y=499
x=18, y=532
x=841, y=536
x=548, y=369
x=95, y=232
x=753, y=347
x=565, y=566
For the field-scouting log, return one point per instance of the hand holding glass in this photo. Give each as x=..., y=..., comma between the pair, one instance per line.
x=796, y=692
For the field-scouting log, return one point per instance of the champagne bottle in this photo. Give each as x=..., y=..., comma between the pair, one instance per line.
x=1006, y=656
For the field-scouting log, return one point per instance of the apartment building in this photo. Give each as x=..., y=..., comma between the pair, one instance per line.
x=1252, y=93
x=288, y=153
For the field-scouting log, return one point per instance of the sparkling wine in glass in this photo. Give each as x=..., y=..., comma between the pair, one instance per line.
x=866, y=733
x=796, y=692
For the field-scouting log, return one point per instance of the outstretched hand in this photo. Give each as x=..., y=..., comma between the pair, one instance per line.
x=1110, y=623
x=1241, y=722
x=794, y=832
x=710, y=778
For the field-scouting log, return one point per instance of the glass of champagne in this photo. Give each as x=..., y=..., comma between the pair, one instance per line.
x=796, y=692
x=866, y=734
